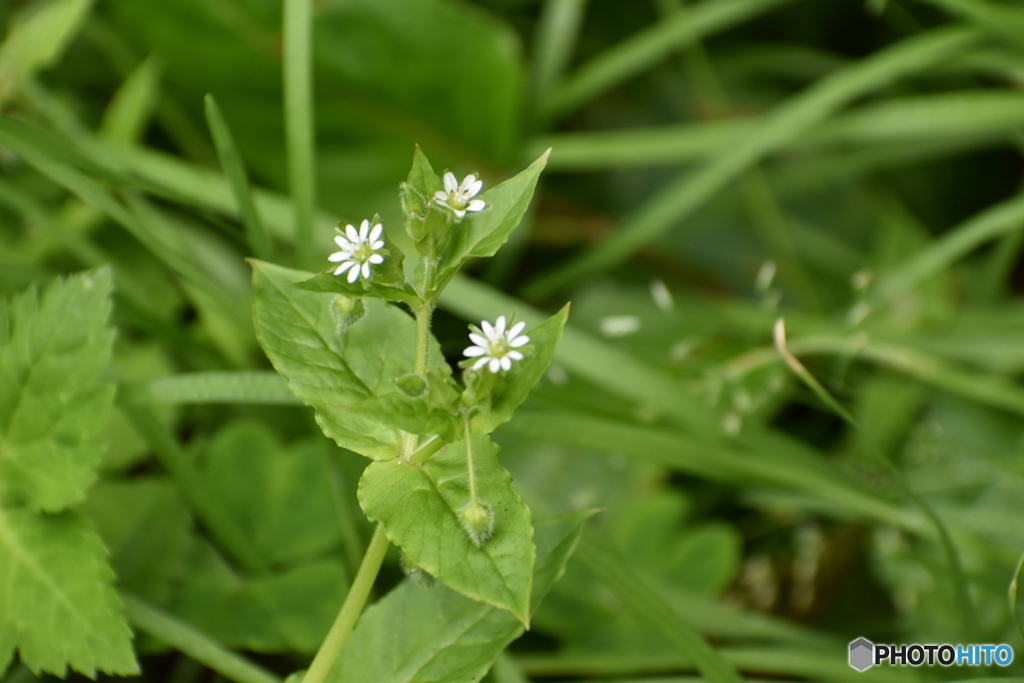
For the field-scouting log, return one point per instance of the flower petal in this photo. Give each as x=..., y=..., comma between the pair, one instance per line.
x=516, y=329
x=459, y=213
x=488, y=329
x=480, y=363
x=375, y=233
x=474, y=188
x=473, y=351
x=499, y=326
x=450, y=182
x=375, y=259
x=522, y=340
x=366, y=270
x=476, y=205
x=343, y=267
x=467, y=182
x=514, y=355
x=353, y=234
x=478, y=340
x=494, y=365
x=364, y=230
x=506, y=363
x=353, y=274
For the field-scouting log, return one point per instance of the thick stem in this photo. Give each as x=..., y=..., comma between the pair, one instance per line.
x=350, y=611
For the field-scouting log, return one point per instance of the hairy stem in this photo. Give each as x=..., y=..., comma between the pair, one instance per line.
x=350, y=611
x=469, y=462
x=410, y=442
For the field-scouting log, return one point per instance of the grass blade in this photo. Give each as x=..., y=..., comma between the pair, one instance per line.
x=981, y=116
x=649, y=47
x=635, y=591
x=133, y=104
x=299, y=123
x=193, y=643
x=996, y=221
x=681, y=197
x=556, y=38
x=234, y=170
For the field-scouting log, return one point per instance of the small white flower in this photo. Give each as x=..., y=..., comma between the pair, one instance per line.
x=358, y=250
x=494, y=346
x=459, y=198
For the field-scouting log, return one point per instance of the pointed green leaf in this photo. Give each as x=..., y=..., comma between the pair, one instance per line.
x=338, y=370
x=482, y=233
x=435, y=634
x=59, y=607
x=419, y=506
x=498, y=395
x=52, y=411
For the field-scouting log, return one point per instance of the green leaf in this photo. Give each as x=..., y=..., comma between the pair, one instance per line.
x=500, y=394
x=482, y=233
x=419, y=507
x=279, y=496
x=339, y=372
x=52, y=411
x=435, y=634
x=329, y=283
x=288, y=610
x=149, y=547
x=59, y=607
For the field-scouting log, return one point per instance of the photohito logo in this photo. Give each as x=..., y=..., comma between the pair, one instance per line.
x=864, y=654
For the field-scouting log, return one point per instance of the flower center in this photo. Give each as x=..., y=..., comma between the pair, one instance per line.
x=458, y=199
x=500, y=348
x=363, y=252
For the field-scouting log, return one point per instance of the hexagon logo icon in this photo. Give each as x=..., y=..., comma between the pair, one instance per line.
x=862, y=654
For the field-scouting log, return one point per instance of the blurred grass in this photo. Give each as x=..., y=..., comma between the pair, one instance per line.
x=691, y=142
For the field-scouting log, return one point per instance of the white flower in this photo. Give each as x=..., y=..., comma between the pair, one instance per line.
x=459, y=198
x=357, y=250
x=494, y=346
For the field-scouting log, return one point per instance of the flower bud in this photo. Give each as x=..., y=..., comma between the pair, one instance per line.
x=477, y=520
x=412, y=385
x=346, y=310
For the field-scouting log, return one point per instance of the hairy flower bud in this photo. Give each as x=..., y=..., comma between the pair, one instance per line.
x=477, y=520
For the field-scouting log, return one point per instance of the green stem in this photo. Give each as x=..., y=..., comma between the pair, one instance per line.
x=350, y=611
x=193, y=643
x=410, y=442
x=423, y=315
x=469, y=461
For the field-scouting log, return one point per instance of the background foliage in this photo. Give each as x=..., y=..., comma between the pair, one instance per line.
x=871, y=151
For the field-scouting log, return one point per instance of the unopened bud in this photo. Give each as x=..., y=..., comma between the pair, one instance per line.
x=412, y=386
x=477, y=520
x=346, y=310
